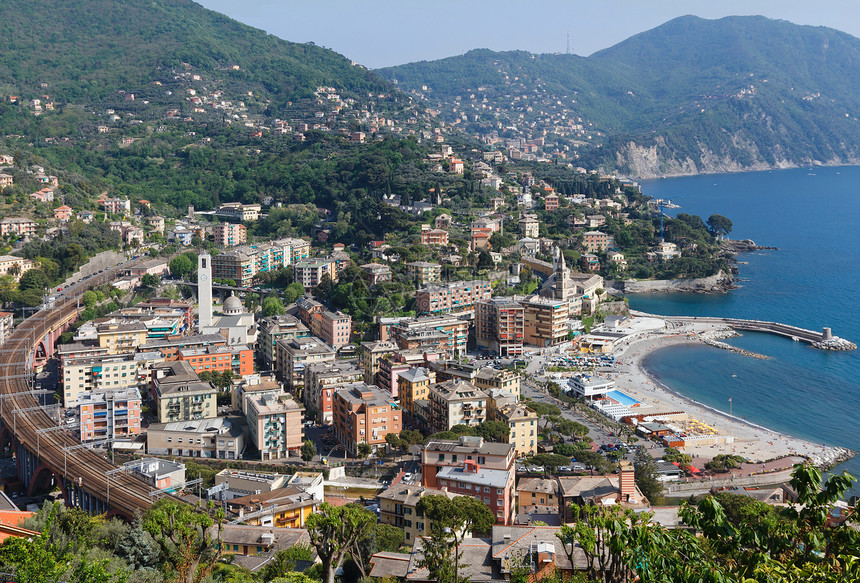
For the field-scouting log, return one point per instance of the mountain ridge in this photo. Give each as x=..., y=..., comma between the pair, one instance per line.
x=689, y=96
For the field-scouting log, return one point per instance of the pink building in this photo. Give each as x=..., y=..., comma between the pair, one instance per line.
x=458, y=296
x=63, y=213
x=17, y=225
x=230, y=234
x=495, y=488
x=334, y=328
x=550, y=202
x=109, y=413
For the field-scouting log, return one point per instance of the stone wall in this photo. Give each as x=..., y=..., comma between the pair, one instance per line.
x=718, y=283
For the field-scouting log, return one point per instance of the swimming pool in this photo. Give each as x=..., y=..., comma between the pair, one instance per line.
x=625, y=400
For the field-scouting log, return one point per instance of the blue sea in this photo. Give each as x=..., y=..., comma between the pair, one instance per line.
x=813, y=216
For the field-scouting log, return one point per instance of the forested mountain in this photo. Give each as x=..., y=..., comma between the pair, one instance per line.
x=87, y=51
x=689, y=96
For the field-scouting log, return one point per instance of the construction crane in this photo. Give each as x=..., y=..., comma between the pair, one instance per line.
x=667, y=204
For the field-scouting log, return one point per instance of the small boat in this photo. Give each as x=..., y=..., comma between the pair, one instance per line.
x=734, y=376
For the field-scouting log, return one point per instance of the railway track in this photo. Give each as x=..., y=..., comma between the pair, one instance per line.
x=25, y=419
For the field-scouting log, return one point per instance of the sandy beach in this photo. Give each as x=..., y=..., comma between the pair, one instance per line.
x=758, y=444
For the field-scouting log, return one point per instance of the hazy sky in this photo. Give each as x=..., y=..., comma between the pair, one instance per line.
x=379, y=33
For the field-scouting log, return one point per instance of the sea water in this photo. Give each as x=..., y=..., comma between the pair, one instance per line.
x=812, y=215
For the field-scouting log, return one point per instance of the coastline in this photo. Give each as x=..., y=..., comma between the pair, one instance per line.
x=755, y=442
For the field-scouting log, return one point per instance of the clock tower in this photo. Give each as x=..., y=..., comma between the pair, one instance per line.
x=204, y=290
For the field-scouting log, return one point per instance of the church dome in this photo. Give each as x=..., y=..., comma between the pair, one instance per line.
x=233, y=306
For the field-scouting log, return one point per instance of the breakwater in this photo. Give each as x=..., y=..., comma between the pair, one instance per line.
x=713, y=339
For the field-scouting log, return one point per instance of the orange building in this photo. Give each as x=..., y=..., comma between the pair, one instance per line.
x=239, y=359
x=550, y=202
x=9, y=524
x=364, y=414
x=433, y=236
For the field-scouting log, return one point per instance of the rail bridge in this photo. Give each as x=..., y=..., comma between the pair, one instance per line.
x=48, y=454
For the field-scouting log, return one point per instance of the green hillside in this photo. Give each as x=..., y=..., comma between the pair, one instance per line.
x=702, y=95
x=89, y=50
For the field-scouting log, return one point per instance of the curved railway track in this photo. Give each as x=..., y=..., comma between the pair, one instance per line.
x=83, y=467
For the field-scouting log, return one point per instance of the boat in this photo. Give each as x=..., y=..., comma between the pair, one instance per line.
x=734, y=376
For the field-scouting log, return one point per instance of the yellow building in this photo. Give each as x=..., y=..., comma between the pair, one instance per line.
x=524, y=427
x=121, y=338
x=414, y=385
x=398, y=507
x=492, y=378
x=290, y=507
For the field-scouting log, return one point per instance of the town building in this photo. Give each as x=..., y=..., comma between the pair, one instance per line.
x=6, y=325
x=334, y=328
x=219, y=438
x=590, y=387
x=538, y=496
x=160, y=474
x=495, y=488
x=364, y=414
x=606, y=490
x=529, y=227
x=370, y=355
x=596, y=241
x=456, y=403
x=445, y=334
x=84, y=374
x=237, y=359
x=14, y=266
x=252, y=386
x=180, y=395
x=230, y=234
x=156, y=224
x=109, y=414
x=550, y=202
x=274, y=328
x=433, y=236
x=500, y=326
x=493, y=379
x=424, y=272
x=546, y=320
x=117, y=205
x=158, y=268
x=322, y=380
x=442, y=453
x=239, y=212
x=275, y=425
x=413, y=385
x=459, y=297
x=287, y=507
x=295, y=354
x=523, y=423
x=376, y=273
x=17, y=226
x=120, y=337
x=310, y=272
x=234, y=265
x=170, y=346
x=6, y=180
x=398, y=506
x=63, y=213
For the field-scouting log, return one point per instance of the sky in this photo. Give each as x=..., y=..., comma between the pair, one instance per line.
x=381, y=33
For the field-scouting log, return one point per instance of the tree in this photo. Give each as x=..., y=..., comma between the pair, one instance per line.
x=333, y=530
x=293, y=292
x=181, y=266
x=34, y=279
x=189, y=551
x=646, y=479
x=364, y=449
x=495, y=431
x=719, y=226
x=309, y=450
x=150, y=281
x=380, y=538
x=285, y=561
x=393, y=441
x=451, y=520
x=273, y=306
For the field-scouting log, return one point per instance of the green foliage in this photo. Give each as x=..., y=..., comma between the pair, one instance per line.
x=150, y=281
x=671, y=454
x=183, y=265
x=284, y=562
x=334, y=530
x=646, y=479
x=188, y=552
x=364, y=449
x=89, y=298
x=496, y=431
x=273, y=306
x=309, y=450
x=725, y=462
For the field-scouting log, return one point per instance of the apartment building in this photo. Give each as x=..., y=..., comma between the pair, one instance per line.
x=180, y=395
x=376, y=273
x=546, y=321
x=538, y=496
x=230, y=234
x=459, y=297
x=596, y=241
x=17, y=226
x=430, y=236
x=488, y=379
x=364, y=414
x=529, y=227
x=442, y=453
x=550, y=202
x=14, y=266
x=109, y=414
x=456, y=402
x=493, y=487
x=239, y=212
x=424, y=272
x=170, y=347
x=235, y=265
x=523, y=423
x=295, y=354
x=334, y=328
x=85, y=374
x=238, y=359
x=6, y=325
x=117, y=205
x=398, y=506
x=322, y=380
x=370, y=355
x=500, y=326
x=275, y=425
x=274, y=328
x=219, y=438
x=119, y=337
x=310, y=272
x=443, y=334
x=413, y=385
